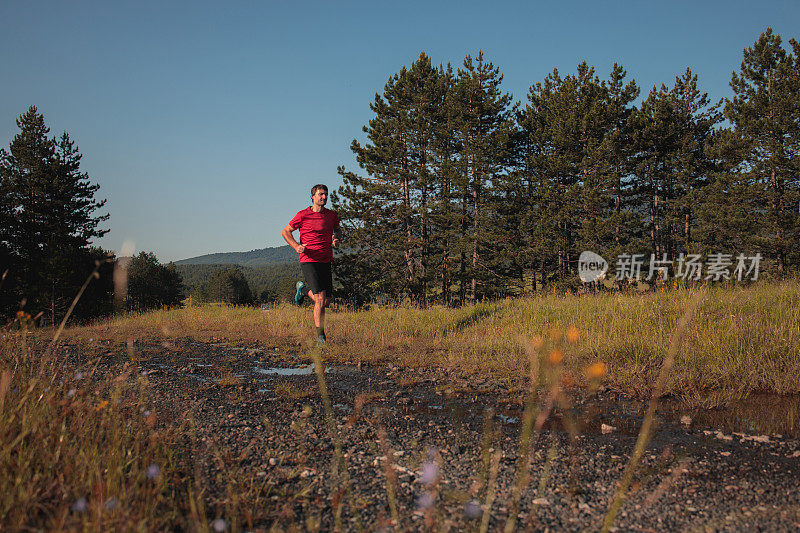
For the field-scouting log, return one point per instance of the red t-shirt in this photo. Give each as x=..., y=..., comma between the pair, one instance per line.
x=316, y=233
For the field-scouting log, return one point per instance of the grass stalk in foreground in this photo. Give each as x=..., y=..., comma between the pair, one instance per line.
x=338, y=467
x=490, y=491
x=647, y=424
x=391, y=476
x=94, y=275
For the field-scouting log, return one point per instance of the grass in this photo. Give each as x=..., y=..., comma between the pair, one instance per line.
x=81, y=448
x=59, y=471
x=742, y=340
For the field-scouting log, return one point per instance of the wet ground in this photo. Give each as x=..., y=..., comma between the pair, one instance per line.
x=442, y=438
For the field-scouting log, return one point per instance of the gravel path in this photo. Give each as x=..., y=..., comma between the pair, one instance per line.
x=440, y=439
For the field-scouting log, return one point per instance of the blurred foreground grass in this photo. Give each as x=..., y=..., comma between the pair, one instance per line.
x=81, y=450
x=743, y=339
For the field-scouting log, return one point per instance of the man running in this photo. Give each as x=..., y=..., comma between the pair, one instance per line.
x=319, y=233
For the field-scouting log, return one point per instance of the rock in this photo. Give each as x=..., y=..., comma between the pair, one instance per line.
x=605, y=428
x=541, y=501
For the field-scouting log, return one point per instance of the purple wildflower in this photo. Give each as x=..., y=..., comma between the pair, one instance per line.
x=430, y=471
x=472, y=509
x=152, y=471
x=80, y=505
x=425, y=501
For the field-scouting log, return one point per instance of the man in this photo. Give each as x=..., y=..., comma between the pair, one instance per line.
x=319, y=234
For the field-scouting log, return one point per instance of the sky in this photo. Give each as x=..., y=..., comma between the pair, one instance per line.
x=206, y=124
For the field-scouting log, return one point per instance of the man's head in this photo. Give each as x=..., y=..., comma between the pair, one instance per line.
x=319, y=194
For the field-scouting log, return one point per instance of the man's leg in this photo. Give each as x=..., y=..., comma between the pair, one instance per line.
x=320, y=302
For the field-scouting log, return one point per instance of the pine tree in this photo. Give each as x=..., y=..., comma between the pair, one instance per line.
x=673, y=129
x=152, y=285
x=52, y=205
x=612, y=220
x=386, y=216
x=765, y=113
x=485, y=128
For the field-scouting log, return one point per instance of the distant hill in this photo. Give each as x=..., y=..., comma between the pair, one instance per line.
x=253, y=258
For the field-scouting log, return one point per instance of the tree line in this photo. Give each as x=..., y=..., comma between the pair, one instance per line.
x=465, y=194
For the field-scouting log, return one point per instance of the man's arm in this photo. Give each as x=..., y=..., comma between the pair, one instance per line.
x=337, y=235
x=289, y=238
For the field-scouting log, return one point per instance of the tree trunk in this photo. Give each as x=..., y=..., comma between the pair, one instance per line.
x=475, y=229
x=423, y=226
x=409, y=256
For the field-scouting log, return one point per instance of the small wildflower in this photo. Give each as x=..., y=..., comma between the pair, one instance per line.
x=102, y=405
x=152, y=471
x=425, y=501
x=219, y=525
x=430, y=471
x=91, y=339
x=79, y=375
x=472, y=509
x=80, y=505
x=572, y=335
x=146, y=413
x=71, y=393
x=556, y=356
x=596, y=370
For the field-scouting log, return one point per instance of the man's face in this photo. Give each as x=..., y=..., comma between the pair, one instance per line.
x=320, y=197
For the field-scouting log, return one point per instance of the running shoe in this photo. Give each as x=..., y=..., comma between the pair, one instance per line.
x=322, y=341
x=300, y=295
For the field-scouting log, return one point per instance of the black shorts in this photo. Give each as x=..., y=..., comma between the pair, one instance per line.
x=318, y=277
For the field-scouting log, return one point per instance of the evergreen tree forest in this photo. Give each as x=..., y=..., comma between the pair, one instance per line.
x=464, y=194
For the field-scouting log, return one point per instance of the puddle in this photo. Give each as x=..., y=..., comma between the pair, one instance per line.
x=277, y=371
x=762, y=414
x=512, y=420
x=756, y=415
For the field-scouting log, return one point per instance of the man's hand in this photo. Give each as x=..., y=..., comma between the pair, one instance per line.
x=300, y=248
x=335, y=242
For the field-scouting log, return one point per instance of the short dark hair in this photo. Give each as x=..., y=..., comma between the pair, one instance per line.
x=318, y=186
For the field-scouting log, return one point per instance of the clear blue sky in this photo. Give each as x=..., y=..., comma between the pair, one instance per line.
x=205, y=124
